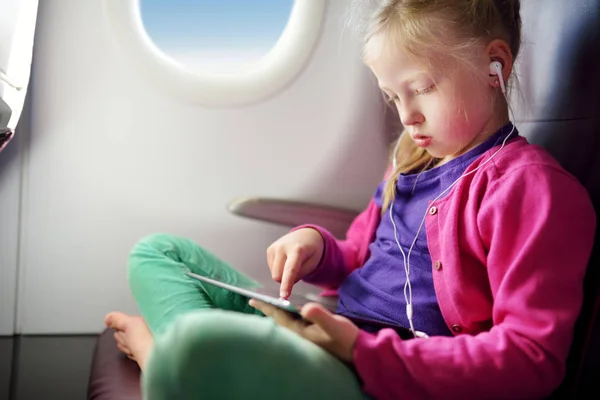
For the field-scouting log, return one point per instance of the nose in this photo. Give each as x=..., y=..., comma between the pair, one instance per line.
x=410, y=115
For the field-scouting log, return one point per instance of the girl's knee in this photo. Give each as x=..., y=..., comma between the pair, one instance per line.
x=146, y=252
x=155, y=242
x=156, y=249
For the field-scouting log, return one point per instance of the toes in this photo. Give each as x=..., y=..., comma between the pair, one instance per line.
x=108, y=319
x=124, y=350
x=116, y=320
x=119, y=338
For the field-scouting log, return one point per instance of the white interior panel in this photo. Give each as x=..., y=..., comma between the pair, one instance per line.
x=10, y=175
x=8, y=20
x=9, y=189
x=110, y=159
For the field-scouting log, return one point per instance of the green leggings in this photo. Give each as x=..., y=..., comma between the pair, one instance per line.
x=210, y=344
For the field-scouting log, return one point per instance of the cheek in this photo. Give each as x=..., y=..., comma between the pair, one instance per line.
x=470, y=110
x=449, y=113
x=457, y=118
x=475, y=100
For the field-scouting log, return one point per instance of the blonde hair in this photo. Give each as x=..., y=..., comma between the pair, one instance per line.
x=453, y=28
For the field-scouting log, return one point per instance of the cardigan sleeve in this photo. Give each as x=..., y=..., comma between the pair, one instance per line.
x=341, y=257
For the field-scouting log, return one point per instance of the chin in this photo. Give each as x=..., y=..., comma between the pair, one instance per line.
x=438, y=154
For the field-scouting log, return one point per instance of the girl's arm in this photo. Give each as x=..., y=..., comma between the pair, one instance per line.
x=341, y=257
x=538, y=226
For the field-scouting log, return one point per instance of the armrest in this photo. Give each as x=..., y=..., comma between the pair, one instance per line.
x=293, y=213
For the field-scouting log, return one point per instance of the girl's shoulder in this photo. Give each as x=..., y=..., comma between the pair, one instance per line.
x=517, y=159
x=526, y=172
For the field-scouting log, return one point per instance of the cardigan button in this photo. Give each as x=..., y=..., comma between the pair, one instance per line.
x=438, y=265
x=457, y=328
x=433, y=210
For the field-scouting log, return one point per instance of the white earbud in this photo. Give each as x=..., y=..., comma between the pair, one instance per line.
x=496, y=69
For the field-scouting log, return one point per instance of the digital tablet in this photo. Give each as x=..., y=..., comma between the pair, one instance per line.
x=295, y=302
x=292, y=304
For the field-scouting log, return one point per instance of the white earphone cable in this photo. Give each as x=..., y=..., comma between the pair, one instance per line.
x=406, y=258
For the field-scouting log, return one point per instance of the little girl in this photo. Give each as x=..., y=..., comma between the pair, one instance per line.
x=474, y=237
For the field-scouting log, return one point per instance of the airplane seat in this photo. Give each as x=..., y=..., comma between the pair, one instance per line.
x=557, y=106
x=113, y=376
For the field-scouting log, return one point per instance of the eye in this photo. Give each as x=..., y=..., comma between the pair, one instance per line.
x=425, y=91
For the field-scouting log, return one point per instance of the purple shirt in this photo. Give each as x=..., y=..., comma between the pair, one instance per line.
x=376, y=290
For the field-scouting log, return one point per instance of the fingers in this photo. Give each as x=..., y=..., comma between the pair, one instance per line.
x=265, y=308
x=284, y=269
x=278, y=265
x=259, y=305
x=288, y=279
x=270, y=258
x=281, y=317
x=319, y=315
x=294, y=255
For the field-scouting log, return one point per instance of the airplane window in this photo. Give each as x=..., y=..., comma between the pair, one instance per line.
x=216, y=52
x=215, y=35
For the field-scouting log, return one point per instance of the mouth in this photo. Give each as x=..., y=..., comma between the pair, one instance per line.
x=422, y=140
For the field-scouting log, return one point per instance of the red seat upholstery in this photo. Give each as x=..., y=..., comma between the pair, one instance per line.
x=113, y=375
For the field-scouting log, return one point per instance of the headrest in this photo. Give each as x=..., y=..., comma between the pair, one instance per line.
x=557, y=99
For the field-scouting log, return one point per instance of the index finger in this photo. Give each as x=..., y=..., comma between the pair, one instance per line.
x=290, y=271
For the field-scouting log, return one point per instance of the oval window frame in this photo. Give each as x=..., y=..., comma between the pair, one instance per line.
x=274, y=71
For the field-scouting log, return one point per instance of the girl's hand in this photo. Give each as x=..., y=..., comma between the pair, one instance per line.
x=332, y=332
x=293, y=256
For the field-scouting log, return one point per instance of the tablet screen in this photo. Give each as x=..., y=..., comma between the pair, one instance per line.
x=292, y=304
x=295, y=302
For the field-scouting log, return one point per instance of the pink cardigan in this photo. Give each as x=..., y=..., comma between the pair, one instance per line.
x=509, y=246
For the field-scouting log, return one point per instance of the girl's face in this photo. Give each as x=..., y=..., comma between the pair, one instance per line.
x=446, y=113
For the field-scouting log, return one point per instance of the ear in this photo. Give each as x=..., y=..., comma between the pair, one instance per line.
x=499, y=50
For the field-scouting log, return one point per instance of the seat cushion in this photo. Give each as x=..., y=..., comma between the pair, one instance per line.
x=113, y=376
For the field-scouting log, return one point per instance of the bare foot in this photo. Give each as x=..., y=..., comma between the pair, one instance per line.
x=132, y=335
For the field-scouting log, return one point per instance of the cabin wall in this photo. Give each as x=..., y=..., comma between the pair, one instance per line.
x=108, y=158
